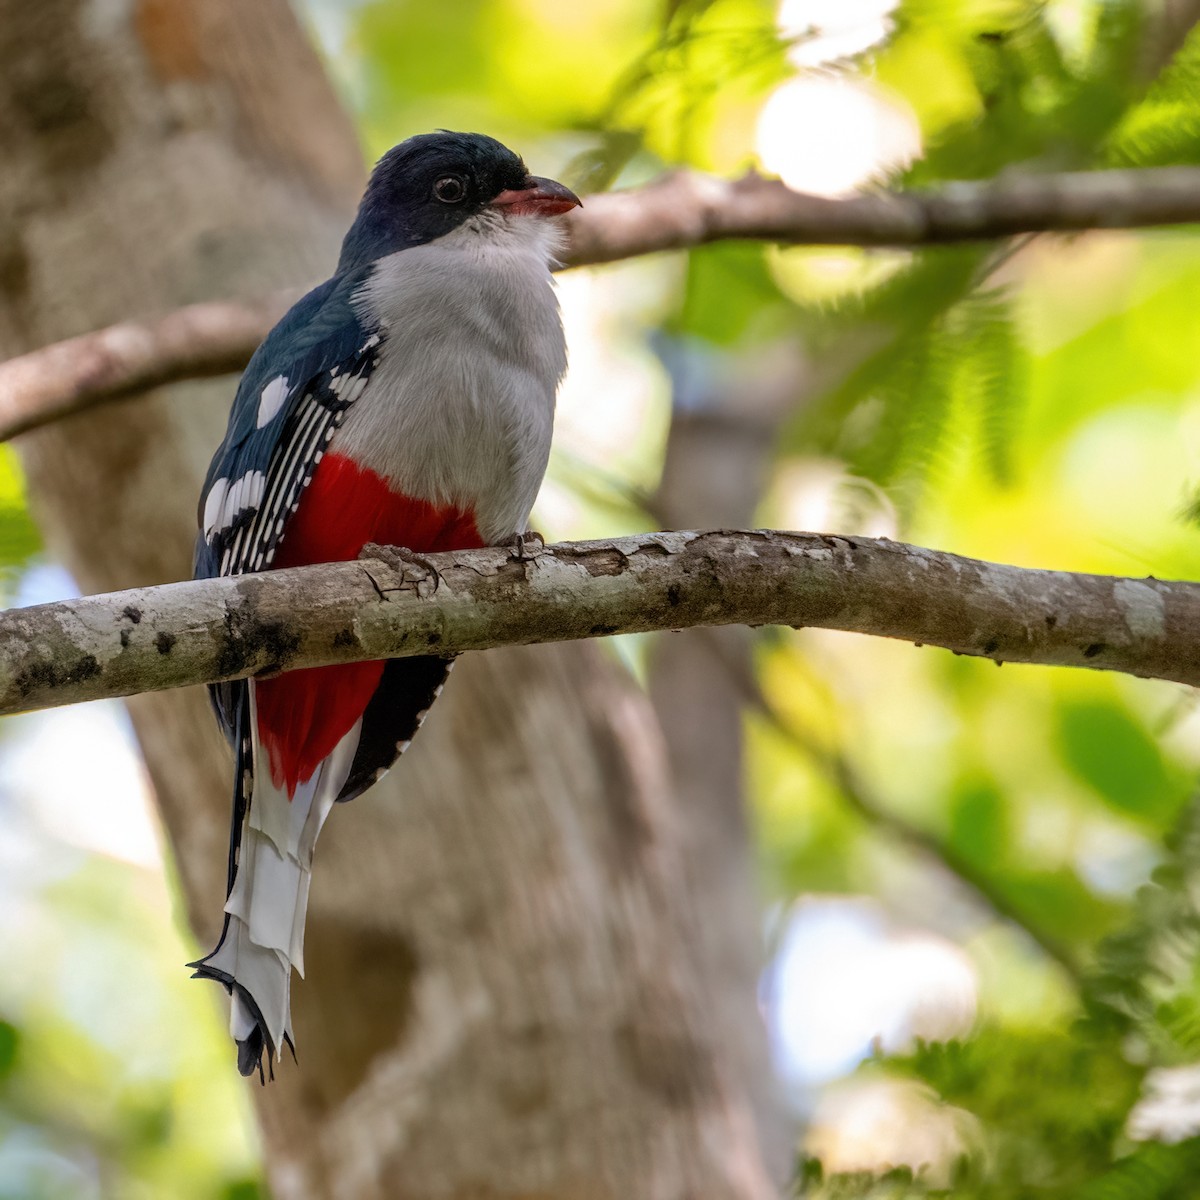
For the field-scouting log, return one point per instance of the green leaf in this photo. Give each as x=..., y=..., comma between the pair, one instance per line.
x=730, y=296
x=243, y=1189
x=19, y=537
x=979, y=821
x=1152, y=1172
x=1058, y=902
x=10, y=1042
x=1110, y=751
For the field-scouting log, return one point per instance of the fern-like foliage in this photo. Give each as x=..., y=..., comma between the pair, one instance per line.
x=1146, y=985
x=993, y=383
x=1053, y=1108
x=1164, y=127
x=953, y=373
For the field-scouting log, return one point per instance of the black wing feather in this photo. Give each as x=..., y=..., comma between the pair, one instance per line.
x=406, y=692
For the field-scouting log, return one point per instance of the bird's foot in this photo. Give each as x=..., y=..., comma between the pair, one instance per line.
x=527, y=546
x=401, y=559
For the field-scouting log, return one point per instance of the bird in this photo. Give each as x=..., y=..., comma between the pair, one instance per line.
x=407, y=401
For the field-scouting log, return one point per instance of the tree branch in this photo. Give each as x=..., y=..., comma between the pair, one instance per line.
x=146, y=639
x=128, y=359
x=685, y=209
x=676, y=212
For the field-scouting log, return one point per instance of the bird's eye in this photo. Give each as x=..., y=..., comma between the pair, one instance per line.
x=450, y=190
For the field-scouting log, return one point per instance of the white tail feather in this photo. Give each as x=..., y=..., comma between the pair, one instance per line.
x=269, y=900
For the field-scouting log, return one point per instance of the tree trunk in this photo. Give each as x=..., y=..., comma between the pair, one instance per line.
x=726, y=412
x=502, y=997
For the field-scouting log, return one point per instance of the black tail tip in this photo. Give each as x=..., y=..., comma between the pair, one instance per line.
x=250, y=1054
x=250, y=1048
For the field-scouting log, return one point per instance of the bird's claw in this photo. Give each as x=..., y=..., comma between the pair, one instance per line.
x=401, y=559
x=527, y=546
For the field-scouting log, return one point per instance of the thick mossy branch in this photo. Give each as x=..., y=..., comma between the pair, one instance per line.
x=147, y=639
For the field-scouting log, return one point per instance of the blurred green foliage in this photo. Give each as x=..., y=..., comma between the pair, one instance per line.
x=19, y=540
x=1035, y=402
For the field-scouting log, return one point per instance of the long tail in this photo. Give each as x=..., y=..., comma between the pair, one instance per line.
x=270, y=863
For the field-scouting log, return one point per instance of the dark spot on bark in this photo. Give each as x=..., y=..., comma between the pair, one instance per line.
x=1051, y=621
x=602, y=630
x=532, y=1034
x=132, y=613
x=364, y=972
x=344, y=637
x=125, y=639
x=52, y=90
x=663, y=1058
x=674, y=594
x=1094, y=649
x=86, y=668
x=265, y=644
x=229, y=654
x=272, y=641
x=164, y=642
x=50, y=103
x=524, y=1090
x=991, y=646
x=654, y=550
x=434, y=639
x=45, y=676
x=15, y=267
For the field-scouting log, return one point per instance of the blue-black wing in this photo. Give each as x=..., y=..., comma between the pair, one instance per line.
x=312, y=367
x=298, y=386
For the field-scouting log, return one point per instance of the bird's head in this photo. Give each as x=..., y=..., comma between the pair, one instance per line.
x=431, y=184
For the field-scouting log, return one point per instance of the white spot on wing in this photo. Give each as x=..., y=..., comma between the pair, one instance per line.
x=347, y=388
x=246, y=492
x=271, y=400
x=214, y=504
x=225, y=500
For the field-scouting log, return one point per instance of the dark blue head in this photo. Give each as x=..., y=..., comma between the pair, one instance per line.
x=430, y=184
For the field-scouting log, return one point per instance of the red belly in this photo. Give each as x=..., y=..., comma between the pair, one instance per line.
x=304, y=714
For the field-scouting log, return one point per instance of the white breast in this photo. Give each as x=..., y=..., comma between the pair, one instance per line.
x=460, y=408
